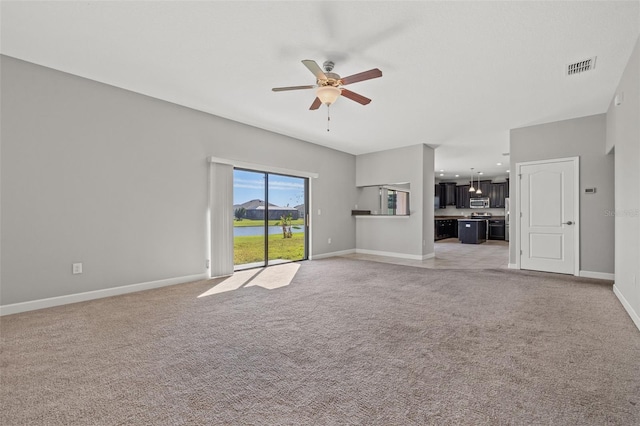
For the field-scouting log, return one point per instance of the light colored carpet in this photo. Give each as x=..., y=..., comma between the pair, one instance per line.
x=345, y=342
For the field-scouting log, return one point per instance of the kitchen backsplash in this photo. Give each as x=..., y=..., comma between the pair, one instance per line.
x=453, y=211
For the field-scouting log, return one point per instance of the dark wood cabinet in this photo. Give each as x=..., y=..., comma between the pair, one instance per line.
x=445, y=228
x=497, y=194
x=462, y=196
x=447, y=193
x=485, y=187
x=439, y=197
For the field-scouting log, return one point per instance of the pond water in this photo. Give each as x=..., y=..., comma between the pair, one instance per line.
x=243, y=231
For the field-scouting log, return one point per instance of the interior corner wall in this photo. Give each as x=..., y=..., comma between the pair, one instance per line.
x=585, y=138
x=623, y=136
x=119, y=181
x=397, y=236
x=428, y=205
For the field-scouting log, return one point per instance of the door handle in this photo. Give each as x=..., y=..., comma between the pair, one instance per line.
x=567, y=223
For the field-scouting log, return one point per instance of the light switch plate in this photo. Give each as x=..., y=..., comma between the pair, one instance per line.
x=76, y=268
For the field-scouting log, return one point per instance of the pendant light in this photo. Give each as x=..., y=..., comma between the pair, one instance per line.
x=479, y=191
x=471, y=188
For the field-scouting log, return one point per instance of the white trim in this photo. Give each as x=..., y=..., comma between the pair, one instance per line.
x=576, y=186
x=513, y=266
x=598, y=275
x=32, y=305
x=634, y=316
x=332, y=254
x=394, y=254
x=263, y=167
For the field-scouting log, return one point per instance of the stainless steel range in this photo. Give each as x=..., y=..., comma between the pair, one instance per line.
x=481, y=215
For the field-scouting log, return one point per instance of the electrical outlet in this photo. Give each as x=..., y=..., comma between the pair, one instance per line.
x=76, y=268
x=208, y=263
x=329, y=241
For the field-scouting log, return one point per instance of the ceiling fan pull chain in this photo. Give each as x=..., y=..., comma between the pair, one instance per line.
x=328, y=117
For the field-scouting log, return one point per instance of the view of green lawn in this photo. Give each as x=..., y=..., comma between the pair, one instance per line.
x=250, y=249
x=251, y=222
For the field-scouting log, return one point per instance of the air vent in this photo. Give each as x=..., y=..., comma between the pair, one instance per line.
x=582, y=66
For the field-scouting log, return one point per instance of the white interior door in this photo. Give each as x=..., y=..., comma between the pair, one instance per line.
x=549, y=216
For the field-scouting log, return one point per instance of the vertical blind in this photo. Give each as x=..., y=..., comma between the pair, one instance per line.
x=221, y=218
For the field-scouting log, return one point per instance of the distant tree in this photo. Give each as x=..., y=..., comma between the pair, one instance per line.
x=240, y=213
x=285, y=222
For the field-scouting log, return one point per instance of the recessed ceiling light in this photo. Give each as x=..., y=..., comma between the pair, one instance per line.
x=508, y=171
x=441, y=174
x=498, y=164
x=442, y=170
x=457, y=175
x=480, y=173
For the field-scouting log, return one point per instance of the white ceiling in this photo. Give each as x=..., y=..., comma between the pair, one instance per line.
x=456, y=75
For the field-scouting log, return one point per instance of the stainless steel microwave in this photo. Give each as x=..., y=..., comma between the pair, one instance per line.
x=479, y=203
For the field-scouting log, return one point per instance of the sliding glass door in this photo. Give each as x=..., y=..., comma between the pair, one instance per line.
x=287, y=207
x=270, y=224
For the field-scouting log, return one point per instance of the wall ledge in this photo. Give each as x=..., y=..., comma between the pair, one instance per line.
x=32, y=305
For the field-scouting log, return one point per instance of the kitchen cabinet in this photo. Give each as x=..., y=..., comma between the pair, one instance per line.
x=438, y=192
x=485, y=186
x=497, y=194
x=462, y=196
x=445, y=228
x=448, y=193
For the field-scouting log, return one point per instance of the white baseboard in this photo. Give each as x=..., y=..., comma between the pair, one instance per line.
x=597, y=275
x=32, y=305
x=332, y=254
x=512, y=266
x=627, y=306
x=394, y=254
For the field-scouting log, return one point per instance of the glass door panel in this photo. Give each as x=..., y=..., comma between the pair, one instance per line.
x=287, y=202
x=249, y=224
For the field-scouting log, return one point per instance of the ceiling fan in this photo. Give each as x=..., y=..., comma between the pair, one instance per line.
x=329, y=84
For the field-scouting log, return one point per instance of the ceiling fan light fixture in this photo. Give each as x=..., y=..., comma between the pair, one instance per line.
x=328, y=94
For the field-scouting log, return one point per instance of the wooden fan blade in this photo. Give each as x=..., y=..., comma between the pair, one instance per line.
x=355, y=97
x=282, y=89
x=366, y=75
x=316, y=104
x=315, y=69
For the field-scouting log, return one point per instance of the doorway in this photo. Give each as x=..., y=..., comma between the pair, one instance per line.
x=270, y=218
x=549, y=231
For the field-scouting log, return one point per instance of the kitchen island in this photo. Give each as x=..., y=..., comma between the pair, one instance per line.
x=472, y=231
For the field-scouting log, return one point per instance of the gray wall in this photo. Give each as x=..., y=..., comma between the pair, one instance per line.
x=623, y=134
x=583, y=137
x=405, y=236
x=119, y=181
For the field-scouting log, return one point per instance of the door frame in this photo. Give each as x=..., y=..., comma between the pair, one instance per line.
x=270, y=169
x=576, y=200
